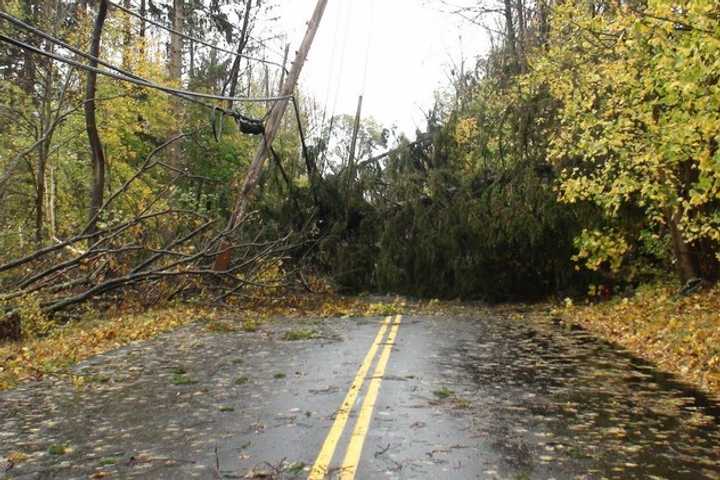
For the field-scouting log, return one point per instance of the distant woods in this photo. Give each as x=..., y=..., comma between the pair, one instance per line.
x=581, y=150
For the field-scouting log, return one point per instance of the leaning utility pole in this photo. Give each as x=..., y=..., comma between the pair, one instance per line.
x=356, y=130
x=222, y=261
x=350, y=175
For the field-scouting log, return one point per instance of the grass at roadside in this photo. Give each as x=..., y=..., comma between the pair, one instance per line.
x=36, y=357
x=53, y=354
x=679, y=334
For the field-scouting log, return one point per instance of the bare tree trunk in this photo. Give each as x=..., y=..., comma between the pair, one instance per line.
x=46, y=134
x=192, y=60
x=250, y=80
x=40, y=194
x=51, y=202
x=96, y=150
x=235, y=70
x=175, y=57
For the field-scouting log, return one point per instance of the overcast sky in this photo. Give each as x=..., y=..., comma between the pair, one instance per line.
x=408, y=45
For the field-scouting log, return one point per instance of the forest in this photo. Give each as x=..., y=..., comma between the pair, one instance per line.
x=152, y=153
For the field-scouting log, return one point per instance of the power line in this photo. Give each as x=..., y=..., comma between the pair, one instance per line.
x=246, y=124
x=191, y=38
x=371, y=30
x=332, y=69
x=19, y=23
x=124, y=76
x=331, y=126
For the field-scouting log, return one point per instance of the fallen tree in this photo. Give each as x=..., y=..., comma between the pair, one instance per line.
x=161, y=253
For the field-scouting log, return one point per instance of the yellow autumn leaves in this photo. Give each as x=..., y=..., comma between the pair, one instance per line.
x=680, y=334
x=639, y=122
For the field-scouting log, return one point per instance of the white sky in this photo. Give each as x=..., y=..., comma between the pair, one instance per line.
x=412, y=46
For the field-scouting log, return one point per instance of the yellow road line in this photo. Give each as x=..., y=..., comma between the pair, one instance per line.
x=322, y=463
x=357, y=440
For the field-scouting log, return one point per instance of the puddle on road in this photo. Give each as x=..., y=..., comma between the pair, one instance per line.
x=551, y=401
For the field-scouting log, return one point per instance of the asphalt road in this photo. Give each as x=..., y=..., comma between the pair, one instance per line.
x=476, y=396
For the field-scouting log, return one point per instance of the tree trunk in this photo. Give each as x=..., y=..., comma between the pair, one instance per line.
x=175, y=68
x=510, y=34
x=543, y=21
x=142, y=29
x=51, y=202
x=688, y=265
x=522, y=40
x=242, y=42
x=192, y=60
x=46, y=133
x=127, y=37
x=28, y=73
x=96, y=150
x=40, y=195
x=175, y=57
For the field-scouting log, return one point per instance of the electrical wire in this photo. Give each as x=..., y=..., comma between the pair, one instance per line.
x=132, y=78
x=191, y=38
x=331, y=126
x=246, y=124
x=371, y=30
x=332, y=68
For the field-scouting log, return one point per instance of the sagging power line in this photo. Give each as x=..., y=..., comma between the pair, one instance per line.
x=246, y=124
x=134, y=78
x=193, y=39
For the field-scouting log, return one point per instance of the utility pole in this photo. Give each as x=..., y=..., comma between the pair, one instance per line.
x=351, y=158
x=356, y=130
x=284, y=67
x=222, y=261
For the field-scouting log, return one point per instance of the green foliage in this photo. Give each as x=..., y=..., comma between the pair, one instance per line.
x=443, y=393
x=300, y=334
x=57, y=449
x=33, y=322
x=182, y=379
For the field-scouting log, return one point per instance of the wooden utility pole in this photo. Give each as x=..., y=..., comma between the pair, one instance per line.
x=350, y=175
x=356, y=130
x=222, y=261
x=284, y=68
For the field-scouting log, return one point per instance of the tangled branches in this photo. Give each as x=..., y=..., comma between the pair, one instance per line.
x=160, y=252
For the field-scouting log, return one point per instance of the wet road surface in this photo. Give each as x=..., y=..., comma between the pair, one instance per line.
x=459, y=397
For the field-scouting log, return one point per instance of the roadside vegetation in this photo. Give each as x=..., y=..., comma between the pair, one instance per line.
x=578, y=158
x=679, y=334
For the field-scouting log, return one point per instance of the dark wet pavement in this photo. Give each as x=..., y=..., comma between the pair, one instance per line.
x=463, y=397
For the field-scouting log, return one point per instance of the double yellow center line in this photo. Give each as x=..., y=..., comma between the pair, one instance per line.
x=357, y=439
